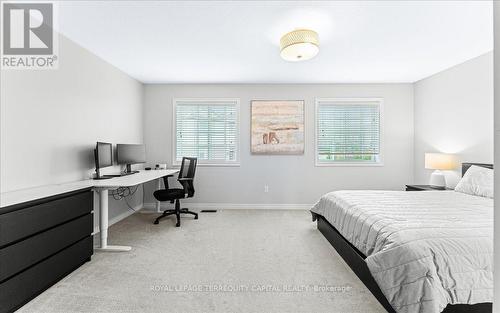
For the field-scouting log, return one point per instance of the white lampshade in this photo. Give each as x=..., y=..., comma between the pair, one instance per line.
x=299, y=45
x=440, y=161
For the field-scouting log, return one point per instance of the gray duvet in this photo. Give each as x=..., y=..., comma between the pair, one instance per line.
x=425, y=249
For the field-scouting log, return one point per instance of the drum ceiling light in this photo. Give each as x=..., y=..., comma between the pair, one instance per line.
x=299, y=45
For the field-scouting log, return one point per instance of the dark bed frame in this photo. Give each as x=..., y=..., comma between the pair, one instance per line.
x=356, y=261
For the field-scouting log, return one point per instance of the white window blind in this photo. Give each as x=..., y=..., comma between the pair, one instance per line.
x=207, y=129
x=348, y=131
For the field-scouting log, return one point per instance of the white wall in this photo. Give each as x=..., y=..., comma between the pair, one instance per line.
x=291, y=179
x=496, y=301
x=453, y=114
x=51, y=119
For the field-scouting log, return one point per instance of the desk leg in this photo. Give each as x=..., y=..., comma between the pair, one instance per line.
x=103, y=225
x=158, y=203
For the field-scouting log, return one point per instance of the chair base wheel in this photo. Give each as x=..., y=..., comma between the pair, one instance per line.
x=178, y=212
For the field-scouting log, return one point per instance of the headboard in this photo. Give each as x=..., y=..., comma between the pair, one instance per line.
x=465, y=166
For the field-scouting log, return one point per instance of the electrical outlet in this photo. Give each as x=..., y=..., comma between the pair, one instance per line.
x=266, y=188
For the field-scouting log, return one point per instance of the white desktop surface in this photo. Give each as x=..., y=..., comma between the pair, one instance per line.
x=131, y=180
x=25, y=195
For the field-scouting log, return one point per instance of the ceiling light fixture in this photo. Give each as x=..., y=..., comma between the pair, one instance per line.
x=299, y=45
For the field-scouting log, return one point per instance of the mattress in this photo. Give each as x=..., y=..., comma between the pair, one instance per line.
x=425, y=249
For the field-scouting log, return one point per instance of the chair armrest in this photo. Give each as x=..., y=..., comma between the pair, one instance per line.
x=165, y=180
x=184, y=179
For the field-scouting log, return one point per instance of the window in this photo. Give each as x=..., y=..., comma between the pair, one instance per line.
x=207, y=129
x=348, y=131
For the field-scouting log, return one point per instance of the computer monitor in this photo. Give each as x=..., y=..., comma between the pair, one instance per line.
x=130, y=154
x=103, y=155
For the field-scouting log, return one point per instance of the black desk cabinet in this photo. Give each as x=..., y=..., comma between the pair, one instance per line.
x=42, y=241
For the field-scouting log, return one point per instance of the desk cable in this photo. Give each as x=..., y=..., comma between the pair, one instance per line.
x=122, y=193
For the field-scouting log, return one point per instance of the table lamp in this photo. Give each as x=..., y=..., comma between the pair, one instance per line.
x=439, y=162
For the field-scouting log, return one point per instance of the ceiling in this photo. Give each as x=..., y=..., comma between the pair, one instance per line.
x=238, y=41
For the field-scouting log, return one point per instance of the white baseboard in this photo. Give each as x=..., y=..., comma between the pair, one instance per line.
x=151, y=207
x=119, y=217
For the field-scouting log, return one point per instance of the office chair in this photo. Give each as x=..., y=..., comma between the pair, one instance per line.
x=186, y=177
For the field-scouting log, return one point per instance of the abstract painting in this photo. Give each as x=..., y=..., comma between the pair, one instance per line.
x=277, y=127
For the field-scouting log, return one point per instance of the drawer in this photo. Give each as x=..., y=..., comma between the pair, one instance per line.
x=18, y=256
x=23, y=287
x=28, y=220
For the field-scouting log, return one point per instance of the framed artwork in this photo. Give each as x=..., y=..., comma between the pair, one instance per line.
x=277, y=127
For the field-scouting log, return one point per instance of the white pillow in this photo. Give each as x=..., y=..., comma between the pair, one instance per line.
x=477, y=181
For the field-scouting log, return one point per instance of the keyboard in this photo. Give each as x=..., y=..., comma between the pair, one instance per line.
x=119, y=175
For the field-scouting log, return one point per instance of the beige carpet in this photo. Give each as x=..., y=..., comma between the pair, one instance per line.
x=230, y=261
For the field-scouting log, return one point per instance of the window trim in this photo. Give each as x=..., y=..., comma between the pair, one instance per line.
x=380, y=162
x=208, y=163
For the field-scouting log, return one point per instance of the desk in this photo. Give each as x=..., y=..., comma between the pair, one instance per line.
x=100, y=186
x=103, y=186
x=56, y=236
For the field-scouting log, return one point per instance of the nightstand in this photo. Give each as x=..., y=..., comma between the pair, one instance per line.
x=423, y=188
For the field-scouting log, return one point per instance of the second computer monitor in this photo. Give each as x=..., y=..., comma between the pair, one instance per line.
x=130, y=154
x=103, y=155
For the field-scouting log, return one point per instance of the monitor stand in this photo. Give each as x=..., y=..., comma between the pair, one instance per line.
x=99, y=176
x=129, y=171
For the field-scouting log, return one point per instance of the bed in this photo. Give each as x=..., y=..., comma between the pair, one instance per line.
x=415, y=251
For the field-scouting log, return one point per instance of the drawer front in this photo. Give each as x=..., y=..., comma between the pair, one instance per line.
x=21, y=288
x=21, y=255
x=22, y=223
